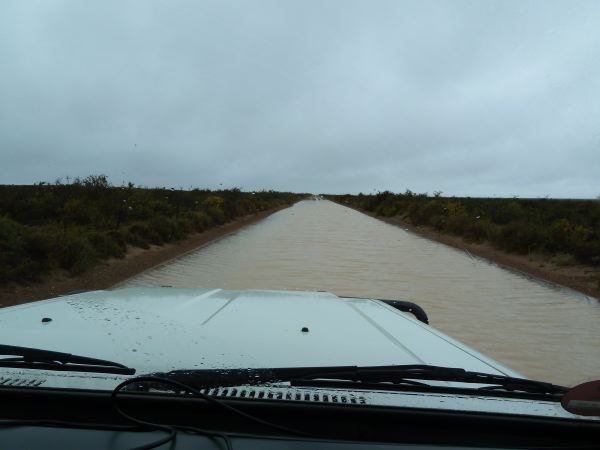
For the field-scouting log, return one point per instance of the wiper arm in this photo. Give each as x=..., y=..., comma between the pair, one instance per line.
x=234, y=377
x=400, y=374
x=33, y=358
x=395, y=375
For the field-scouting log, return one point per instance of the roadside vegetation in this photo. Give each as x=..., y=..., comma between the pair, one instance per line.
x=566, y=230
x=75, y=225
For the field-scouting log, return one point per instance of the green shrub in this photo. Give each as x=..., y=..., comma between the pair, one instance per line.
x=515, y=225
x=458, y=223
x=137, y=241
x=108, y=244
x=78, y=211
x=74, y=225
x=11, y=237
x=438, y=222
x=76, y=253
x=142, y=235
x=478, y=230
x=202, y=221
x=12, y=247
x=184, y=226
x=166, y=228
x=424, y=214
x=213, y=206
x=217, y=215
x=520, y=237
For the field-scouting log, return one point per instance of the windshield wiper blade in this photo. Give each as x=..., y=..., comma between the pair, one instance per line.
x=33, y=358
x=208, y=378
x=399, y=374
x=393, y=375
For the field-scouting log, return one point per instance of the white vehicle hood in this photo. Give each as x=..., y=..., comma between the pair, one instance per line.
x=163, y=329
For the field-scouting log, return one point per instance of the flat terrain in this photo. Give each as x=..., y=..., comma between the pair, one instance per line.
x=114, y=271
x=579, y=277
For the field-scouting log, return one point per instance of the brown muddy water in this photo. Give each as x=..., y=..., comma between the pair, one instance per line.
x=541, y=330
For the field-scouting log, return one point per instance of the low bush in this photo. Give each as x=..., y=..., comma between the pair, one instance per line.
x=75, y=252
x=142, y=235
x=108, y=244
x=564, y=227
x=74, y=225
x=202, y=221
x=164, y=227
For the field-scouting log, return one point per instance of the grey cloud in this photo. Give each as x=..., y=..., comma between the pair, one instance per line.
x=467, y=97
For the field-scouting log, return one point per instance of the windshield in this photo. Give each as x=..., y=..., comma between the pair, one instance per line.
x=209, y=186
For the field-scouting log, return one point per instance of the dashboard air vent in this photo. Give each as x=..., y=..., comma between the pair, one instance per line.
x=285, y=394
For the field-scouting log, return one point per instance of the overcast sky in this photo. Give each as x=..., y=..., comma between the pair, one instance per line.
x=472, y=98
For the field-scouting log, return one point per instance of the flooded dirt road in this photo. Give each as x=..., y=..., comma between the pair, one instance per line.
x=543, y=331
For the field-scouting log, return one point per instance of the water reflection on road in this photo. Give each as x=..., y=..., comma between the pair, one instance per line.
x=541, y=330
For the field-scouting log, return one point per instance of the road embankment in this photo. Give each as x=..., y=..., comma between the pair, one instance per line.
x=578, y=277
x=114, y=271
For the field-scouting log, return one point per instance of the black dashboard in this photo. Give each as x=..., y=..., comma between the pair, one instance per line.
x=27, y=437
x=73, y=419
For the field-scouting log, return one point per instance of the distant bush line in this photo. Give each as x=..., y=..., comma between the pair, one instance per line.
x=75, y=225
x=568, y=229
